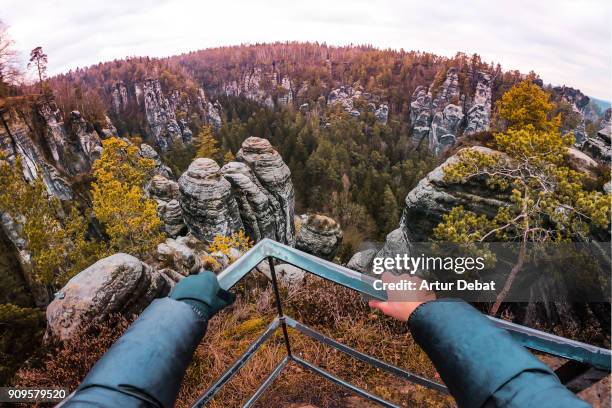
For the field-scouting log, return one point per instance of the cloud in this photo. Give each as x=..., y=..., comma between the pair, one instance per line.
x=565, y=41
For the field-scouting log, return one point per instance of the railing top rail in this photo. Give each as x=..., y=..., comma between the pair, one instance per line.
x=537, y=340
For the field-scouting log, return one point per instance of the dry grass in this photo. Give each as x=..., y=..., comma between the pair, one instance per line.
x=333, y=310
x=66, y=364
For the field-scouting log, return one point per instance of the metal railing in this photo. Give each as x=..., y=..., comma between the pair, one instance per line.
x=586, y=364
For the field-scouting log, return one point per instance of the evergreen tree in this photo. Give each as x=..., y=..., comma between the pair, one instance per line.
x=206, y=144
x=38, y=60
x=228, y=157
x=389, y=211
x=548, y=200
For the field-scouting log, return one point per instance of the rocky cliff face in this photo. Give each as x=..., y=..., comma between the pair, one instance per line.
x=433, y=197
x=580, y=104
x=438, y=116
x=161, y=117
x=264, y=85
x=167, y=113
x=257, y=210
x=251, y=86
x=479, y=114
x=50, y=149
x=161, y=169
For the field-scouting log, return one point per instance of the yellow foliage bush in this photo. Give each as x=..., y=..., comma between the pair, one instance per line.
x=129, y=218
x=224, y=244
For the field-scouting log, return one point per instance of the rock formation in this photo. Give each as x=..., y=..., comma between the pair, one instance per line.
x=599, y=146
x=166, y=193
x=180, y=255
x=479, y=114
x=89, y=140
x=580, y=104
x=444, y=128
x=16, y=139
x=382, y=113
x=251, y=87
x=438, y=116
x=286, y=98
x=274, y=177
x=148, y=152
x=119, y=283
x=362, y=261
x=119, y=97
x=420, y=115
x=254, y=193
x=257, y=206
x=161, y=117
x=318, y=235
x=209, y=208
x=346, y=96
x=433, y=197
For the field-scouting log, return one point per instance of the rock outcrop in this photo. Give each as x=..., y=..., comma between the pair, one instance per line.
x=166, y=193
x=256, y=204
x=161, y=169
x=433, y=197
x=444, y=128
x=264, y=85
x=89, y=140
x=182, y=255
x=318, y=235
x=599, y=146
x=17, y=139
x=209, y=208
x=161, y=117
x=479, y=114
x=382, y=113
x=420, y=115
x=274, y=176
x=254, y=193
x=251, y=87
x=438, y=116
x=119, y=283
x=119, y=97
x=346, y=96
x=580, y=104
x=362, y=261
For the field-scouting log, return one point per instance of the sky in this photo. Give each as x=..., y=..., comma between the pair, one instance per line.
x=565, y=42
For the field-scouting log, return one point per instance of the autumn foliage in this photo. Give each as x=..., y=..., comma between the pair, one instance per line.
x=129, y=218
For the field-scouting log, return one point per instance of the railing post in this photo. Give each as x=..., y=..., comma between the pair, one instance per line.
x=279, y=307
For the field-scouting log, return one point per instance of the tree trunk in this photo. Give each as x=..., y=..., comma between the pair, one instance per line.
x=513, y=273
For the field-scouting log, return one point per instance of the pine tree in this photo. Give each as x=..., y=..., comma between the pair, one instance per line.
x=206, y=144
x=524, y=105
x=228, y=157
x=38, y=60
x=389, y=212
x=548, y=200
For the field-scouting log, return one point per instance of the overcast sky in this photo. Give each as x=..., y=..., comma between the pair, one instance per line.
x=566, y=42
